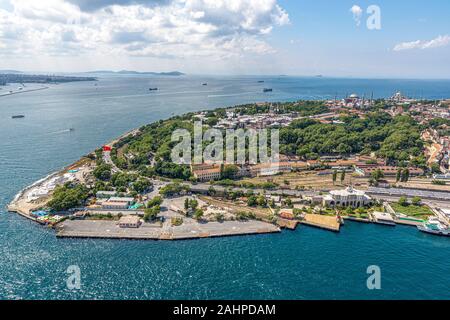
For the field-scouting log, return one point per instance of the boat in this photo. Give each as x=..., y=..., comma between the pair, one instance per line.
x=19, y=116
x=71, y=129
x=204, y=84
x=267, y=90
x=261, y=81
x=153, y=89
x=434, y=226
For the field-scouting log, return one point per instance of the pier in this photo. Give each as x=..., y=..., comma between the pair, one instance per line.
x=149, y=231
x=330, y=223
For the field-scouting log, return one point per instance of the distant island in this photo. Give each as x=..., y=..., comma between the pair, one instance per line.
x=130, y=72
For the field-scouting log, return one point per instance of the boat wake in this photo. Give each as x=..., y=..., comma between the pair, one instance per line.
x=61, y=131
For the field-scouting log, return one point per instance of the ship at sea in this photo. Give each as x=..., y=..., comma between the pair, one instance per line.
x=434, y=226
x=19, y=116
x=153, y=89
x=267, y=90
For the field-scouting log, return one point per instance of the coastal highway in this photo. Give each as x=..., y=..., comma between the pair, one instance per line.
x=204, y=187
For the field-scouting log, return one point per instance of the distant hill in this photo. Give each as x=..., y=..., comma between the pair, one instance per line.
x=172, y=73
x=10, y=72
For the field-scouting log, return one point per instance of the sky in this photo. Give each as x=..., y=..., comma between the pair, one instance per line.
x=341, y=38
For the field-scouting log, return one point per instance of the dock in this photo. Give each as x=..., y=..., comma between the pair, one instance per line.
x=357, y=219
x=287, y=224
x=110, y=230
x=321, y=221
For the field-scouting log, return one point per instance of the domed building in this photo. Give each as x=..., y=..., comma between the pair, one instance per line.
x=347, y=198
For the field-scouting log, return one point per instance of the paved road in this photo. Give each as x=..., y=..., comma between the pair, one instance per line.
x=108, y=160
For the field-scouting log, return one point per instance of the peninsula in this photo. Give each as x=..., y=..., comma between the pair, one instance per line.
x=382, y=161
x=22, y=78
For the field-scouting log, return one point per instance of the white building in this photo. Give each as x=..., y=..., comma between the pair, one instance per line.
x=347, y=198
x=129, y=222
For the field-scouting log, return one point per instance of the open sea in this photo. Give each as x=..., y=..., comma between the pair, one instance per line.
x=304, y=264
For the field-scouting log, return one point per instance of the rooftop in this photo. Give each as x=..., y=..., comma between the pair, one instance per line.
x=347, y=192
x=129, y=219
x=382, y=216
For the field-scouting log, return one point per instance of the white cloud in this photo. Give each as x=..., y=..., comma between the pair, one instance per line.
x=440, y=41
x=165, y=29
x=357, y=14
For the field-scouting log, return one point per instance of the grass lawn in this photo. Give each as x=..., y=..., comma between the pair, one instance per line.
x=420, y=212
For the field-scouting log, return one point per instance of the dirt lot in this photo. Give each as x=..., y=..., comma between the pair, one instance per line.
x=259, y=212
x=309, y=180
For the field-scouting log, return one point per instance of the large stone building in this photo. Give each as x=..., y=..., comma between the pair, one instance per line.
x=347, y=198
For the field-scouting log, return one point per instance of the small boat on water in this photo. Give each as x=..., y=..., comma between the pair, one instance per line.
x=153, y=89
x=71, y=129
x=434, y=226
x=267, y=90
x=19, y=116
x=261, y=81
x=204, y=84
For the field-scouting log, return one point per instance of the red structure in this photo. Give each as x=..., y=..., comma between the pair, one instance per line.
x=106, y=148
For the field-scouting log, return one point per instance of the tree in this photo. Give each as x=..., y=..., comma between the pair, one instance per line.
x=156, y=201
x=343, y=176
x=68, y=196
x=334, y=177
x=212, y=191
x=150, y=214
x=141, y=185
x=377, y=175
x=198, y=214
x=229, y=172
x=403, y=201
x=186, y=204
x=193, y=204
x=416, y=201
x=173, y=189
x=252, y=201
x=102, y=172
x=261, y=201
x=288, y=202
x=399, y=175
x=435, y=168
x=405, y=175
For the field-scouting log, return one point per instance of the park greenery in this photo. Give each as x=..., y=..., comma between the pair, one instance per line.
x=413, y=209
x=397, y=139
x=68, y=196
x=173, y=189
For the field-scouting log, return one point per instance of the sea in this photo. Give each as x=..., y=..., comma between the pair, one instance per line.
x=304, y=264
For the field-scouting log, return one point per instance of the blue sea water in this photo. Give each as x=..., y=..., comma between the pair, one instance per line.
x=305, y=264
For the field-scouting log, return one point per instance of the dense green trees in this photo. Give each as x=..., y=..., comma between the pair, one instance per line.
x=102, y=171
x=122, y=179
x=141, y=185
x=396, y=139
x=173, y=189
x=68, y=196
x=156, y=201
x=229, y=172
x=172, y=170
x=151, y=213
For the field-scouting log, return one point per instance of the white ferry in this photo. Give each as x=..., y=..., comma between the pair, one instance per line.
x=434, y=226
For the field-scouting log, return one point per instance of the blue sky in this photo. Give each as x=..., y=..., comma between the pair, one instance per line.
x=228, y=37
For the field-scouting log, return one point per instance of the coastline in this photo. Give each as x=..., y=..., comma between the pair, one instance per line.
x=24, y=207
x=23, y=91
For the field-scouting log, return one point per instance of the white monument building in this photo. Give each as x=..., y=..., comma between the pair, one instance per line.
x=347, y=198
